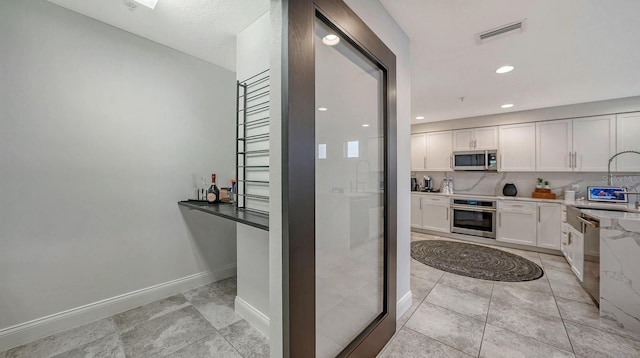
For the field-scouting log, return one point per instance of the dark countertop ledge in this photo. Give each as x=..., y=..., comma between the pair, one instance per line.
x=229, y=211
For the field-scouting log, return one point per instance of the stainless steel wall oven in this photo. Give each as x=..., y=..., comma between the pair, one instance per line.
x=474, y=217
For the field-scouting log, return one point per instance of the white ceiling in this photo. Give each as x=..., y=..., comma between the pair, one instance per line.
x=205, y=29
x=572, y=51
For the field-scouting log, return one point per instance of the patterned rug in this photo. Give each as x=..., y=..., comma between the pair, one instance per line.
x=475, y=261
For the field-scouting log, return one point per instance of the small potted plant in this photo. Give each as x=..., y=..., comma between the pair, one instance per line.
x=539, y=184
x=546, y=184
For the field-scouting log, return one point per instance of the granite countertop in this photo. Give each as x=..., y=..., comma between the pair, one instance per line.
x=229, y=211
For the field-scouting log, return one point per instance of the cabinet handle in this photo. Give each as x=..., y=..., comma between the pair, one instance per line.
x=447, y=214
x=420, y=203
x=499, y=219
x=569, y=239
x=539, y=219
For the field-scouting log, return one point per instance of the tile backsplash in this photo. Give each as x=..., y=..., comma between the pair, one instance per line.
x=491, y=183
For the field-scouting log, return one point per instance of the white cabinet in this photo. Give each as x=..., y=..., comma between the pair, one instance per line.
x=594, y=142
x=418, y=152
x=430, y=212
x=517, y=148
x=517, y=222
x=463, y=139
x=549, y=225
x=581, y=144
x=530, y=223
x=439, y=154
x=628, y=138
x=475, y=139
x=416, y=211
x=554, y=146
x=574, y=251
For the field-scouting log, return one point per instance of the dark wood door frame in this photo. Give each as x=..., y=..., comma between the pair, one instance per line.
x=298, y=173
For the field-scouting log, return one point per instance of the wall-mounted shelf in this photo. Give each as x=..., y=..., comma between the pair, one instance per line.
x=252, y=144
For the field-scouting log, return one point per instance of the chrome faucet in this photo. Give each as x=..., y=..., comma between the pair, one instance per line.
x=609, y=175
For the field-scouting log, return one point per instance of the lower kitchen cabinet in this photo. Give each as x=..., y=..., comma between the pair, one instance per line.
x=518, y=227
x=549, y=225
x=528, y=223
x=416, y=211
x=430, y=212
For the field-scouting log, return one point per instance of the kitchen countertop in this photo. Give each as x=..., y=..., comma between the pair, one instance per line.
x=229, y=211
x=576, y=203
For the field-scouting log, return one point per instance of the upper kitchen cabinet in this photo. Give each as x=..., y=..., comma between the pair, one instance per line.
x=594, y=142
x=439, y=151
x=554, y=146
x=475, y=139
x=517, y=148
x=628, y=139
x=418, y=152
x=581, y=144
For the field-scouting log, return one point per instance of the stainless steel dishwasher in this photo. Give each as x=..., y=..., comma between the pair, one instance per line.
x=589, y=227
x=591, y=231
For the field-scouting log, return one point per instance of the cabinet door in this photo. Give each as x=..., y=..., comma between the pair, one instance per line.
x=463, y=139
x=554, y=146
x=517, y=227
x=439, y=155
x=435, y=217
x=486, y=138
x=576, y=248
x=518, y=147
x=549, y=225
x=594, y=142
x=416, y=211
x=418, y=152
x=628, y=127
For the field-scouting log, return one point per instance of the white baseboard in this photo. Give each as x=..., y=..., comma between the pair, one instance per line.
x=45, y=326
x=404, y=304
x=252, y=315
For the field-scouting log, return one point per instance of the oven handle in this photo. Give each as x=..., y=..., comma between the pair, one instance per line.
x=472, y=208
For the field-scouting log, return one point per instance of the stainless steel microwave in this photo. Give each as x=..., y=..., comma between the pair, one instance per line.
x=483, y=160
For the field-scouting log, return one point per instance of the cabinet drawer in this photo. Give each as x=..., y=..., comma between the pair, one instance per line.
x=435, y=200
x=517, y=206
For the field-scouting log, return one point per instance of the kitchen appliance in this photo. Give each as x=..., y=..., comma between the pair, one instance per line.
x=483, y=160
x=428, y=183
x=607, y=194
x=569, y=195
x=585, y=259
x=414, y=184
x=475, y=217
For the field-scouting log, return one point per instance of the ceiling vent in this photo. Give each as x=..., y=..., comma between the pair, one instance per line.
x=498, y=32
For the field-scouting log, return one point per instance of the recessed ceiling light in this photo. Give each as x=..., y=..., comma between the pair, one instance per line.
x=420, y=117
x=331, y=40
x=508, y=105
x=365, y=125
x=151, y=4
x=322, y=109
x=505, y=69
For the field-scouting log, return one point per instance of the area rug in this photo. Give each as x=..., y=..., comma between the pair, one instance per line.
x=475, y=261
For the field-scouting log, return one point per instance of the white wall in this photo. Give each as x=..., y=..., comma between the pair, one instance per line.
x=379, y=20
x=276, y=316
x=252, y=301
x=100, y=131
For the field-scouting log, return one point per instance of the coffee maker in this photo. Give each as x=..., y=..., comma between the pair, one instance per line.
x=428, y=183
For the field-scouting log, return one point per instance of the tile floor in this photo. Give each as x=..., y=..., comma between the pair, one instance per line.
x=451, y=316
x=457, y=316
x=195, y=324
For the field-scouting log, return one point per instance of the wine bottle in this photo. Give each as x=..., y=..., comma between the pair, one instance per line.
x=213, y=193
